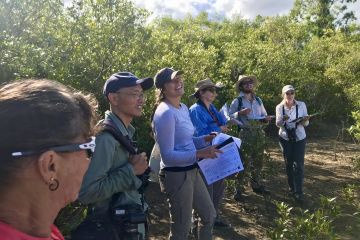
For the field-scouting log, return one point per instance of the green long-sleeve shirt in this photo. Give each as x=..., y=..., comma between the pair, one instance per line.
x=110, y=172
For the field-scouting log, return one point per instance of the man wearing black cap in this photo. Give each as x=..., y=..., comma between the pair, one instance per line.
x=112, y=178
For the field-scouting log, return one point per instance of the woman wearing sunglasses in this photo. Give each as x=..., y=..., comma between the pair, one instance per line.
x=291, y=118
x=45, y=141
x=207, y=119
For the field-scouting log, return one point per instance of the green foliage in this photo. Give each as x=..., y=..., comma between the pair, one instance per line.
x=355, y=129
x=322, y=15
x=70, y=217
x=351, y=194
x=81, y=46
x=344, y=211
x=306, y=224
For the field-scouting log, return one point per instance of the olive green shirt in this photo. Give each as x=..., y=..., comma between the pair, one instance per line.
x=110, y=172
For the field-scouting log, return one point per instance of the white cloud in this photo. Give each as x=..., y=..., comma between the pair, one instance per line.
x=247, y=9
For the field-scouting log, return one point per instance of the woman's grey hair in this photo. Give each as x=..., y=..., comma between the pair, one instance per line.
x=35, y=114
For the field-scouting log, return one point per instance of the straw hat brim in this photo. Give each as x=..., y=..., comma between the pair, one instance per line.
x=241, y=80
x=202, y=87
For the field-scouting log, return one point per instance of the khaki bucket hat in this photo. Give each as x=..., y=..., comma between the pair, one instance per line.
x=243, y=78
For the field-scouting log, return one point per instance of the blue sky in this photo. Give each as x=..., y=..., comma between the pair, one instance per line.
x=247, y=9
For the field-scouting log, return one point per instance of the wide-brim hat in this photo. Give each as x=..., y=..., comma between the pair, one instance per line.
x=206, y=83
x=243, y=78
x=165, y=75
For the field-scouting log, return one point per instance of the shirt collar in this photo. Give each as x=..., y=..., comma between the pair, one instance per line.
x=296, y=103
x=119, y=124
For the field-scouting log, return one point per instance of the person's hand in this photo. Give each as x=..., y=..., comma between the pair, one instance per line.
x=208, y=152
x=210, y=137
x=244, y=111
x=285, y=117
x=224, y=129
x=139, y=163
x=305, y=119
x=268, y=119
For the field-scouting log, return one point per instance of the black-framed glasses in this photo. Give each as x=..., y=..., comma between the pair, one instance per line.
x=88, y=146
x=290, y=93
x=134, y=95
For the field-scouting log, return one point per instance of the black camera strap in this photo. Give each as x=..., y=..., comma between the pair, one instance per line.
x=297, y=113
x=110, y=127
x=296, y=124
x=130, y=146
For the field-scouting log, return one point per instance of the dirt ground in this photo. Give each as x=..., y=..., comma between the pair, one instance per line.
x=327, y=171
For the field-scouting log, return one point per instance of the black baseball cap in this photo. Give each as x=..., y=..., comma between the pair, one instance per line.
x=165, y=75
x=125, y=79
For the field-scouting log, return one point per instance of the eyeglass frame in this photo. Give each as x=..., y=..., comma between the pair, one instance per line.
x=88, y=146
x=135, y=95
x=290, y=93
x=210, y=89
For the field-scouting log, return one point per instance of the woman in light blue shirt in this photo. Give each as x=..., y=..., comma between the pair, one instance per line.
x=180, y=178
x=292, y=118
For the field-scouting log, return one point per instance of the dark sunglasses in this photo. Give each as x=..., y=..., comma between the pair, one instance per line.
x=88, y=146
x=213, y=90
x=247, y=83
x=290, y=93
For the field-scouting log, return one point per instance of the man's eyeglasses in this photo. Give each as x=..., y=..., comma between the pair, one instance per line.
x=290, y=93
x=248, y=83
x=136, y=96
x=88, y=146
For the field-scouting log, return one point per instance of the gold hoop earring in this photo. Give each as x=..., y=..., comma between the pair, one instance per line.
x=54, y=184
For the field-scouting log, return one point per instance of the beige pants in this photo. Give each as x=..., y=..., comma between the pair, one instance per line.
x=216, y=191
x=186, y=191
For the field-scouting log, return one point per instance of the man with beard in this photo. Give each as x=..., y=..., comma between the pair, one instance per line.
x=251, y=113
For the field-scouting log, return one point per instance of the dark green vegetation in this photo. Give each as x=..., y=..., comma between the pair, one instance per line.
x=316, y=48
x=318, y=51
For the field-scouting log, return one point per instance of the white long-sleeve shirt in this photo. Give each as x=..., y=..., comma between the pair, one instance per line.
x=291, y=112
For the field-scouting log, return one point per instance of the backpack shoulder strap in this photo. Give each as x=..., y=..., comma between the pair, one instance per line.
x=239, y=103
x=109, y=126
x=259, y=100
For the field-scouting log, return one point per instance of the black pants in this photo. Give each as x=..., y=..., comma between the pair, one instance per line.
x=294, y=153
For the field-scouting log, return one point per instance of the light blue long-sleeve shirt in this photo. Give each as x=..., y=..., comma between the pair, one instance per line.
x=174, y=132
